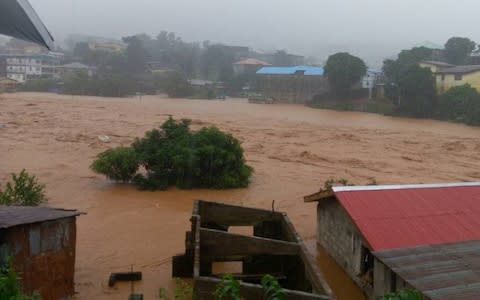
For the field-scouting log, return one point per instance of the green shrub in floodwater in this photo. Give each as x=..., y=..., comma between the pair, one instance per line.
x=173, y=155
x=118, y=164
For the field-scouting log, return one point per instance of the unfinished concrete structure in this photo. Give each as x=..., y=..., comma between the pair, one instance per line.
x=357, y=223
x=274, y=248
x=297, y=84
x=41, y=243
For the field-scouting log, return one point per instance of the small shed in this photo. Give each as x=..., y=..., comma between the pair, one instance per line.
x=354, y=222
x=41, y=243
x=8, y=85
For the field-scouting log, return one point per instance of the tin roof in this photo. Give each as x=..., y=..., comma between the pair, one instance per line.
x=307, y=70
x=437, y=63
x=461, y=69
x=11, y=216
x=252, y=61
x=441, y=272
x=400, y=216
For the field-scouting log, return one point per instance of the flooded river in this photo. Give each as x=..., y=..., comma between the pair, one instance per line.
x=293, y=150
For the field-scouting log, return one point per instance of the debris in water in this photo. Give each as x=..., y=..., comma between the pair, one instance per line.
x=104, y=138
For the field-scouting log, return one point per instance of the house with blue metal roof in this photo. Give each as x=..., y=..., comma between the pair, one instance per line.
x=295, y=84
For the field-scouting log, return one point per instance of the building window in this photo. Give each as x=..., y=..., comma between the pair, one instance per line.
x=443, y=77
x=458, y=77
x=366, y=266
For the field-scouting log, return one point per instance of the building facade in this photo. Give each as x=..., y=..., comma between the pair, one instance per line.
x=297, y=84
x=23, y=67
x=41, y=244
x=457, y=76
x=359, y=225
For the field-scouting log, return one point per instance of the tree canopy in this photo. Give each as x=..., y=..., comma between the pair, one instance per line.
x=417, y=91
x=458, y=49
x=343, y=70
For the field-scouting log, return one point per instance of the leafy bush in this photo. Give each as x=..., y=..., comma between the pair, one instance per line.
x=404, y=295
x=272, y=289
x=24, y=190
x=174, y=155
x=183, y=291
x=118, y=164
x=10, y=287
x=228, y=288
x=460, y=104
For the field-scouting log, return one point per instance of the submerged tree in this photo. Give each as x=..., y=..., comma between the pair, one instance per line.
x=458, y=49
x=343, y=70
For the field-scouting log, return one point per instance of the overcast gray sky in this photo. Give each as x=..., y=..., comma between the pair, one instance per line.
x=309, y=27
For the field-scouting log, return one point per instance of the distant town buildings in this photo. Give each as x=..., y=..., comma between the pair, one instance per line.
x=109, y=46
x=248, y=66
x=297, y=84
x=22, y=67
x=448, y=75
x=76, y=67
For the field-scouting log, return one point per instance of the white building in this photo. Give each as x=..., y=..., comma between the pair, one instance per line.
x=22, y=67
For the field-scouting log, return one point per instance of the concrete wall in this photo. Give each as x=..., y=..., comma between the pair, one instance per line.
x=292, y=88
x=338, y=235
x=44, y=256
x=448, y=81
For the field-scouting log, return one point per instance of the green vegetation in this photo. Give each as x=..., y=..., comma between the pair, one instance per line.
x=23, y=190
x=173, y=155
x=458, y=49
x=118, y=164
x=405, y=294
x=460, y=104
x=182, y=291
x=228, y=288
x=343, y=70
x=40, y=85
x=10, y=288
x=112, y=85
x=417, y=93
x=272, y=289
x=384, y=107
x=175, y=84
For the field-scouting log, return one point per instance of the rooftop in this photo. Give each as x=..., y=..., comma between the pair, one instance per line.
x=441, y=272
x=76, y=65
x=437, y=63
x=11, y=216
x=461, y=69
x=307, y=70
x=252, y=61
x=401, y=216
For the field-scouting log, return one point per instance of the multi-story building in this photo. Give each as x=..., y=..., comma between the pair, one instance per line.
x=22, y=67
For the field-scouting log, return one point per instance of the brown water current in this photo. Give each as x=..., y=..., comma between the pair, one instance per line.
x=293, y=150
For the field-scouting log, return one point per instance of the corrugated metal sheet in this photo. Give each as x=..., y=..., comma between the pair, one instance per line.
x=308, y=70
x=441, y=272
x=11, y=216
x=398, y=217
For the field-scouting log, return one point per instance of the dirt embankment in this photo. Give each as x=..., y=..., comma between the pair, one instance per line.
x=293, y=149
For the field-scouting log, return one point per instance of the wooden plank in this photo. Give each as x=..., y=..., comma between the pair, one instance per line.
x=221, y=243
x=318, y=281
x=318, y=196
x=230, y=215
x=204, y=288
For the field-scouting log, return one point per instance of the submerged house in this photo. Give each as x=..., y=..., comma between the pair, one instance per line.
x=404, y=236
x=297, y=84
x=40, y=242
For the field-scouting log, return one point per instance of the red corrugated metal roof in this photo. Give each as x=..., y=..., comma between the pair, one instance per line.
x=399, y=217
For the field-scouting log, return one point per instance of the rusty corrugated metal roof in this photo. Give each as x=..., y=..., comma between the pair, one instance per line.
x=441, y=272
x=399, y=216
x=11, y=216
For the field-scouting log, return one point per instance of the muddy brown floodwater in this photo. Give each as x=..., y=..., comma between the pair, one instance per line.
x=293, y=149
